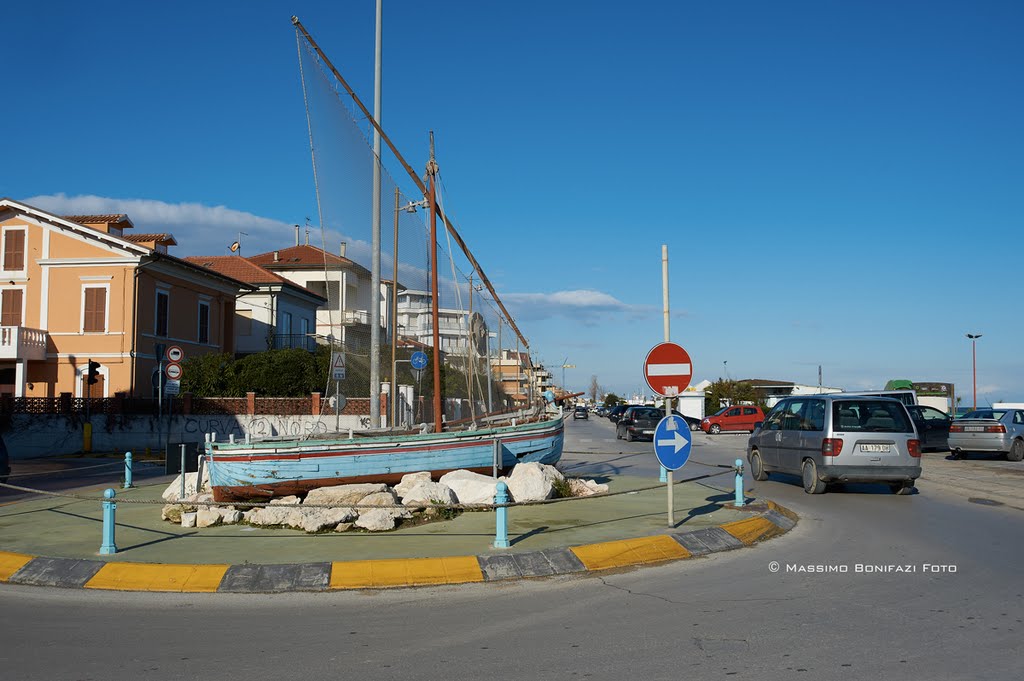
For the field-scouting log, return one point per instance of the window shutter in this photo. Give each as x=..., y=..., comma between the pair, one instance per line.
x=95, y=310
x=10, y=307
x=14, y=249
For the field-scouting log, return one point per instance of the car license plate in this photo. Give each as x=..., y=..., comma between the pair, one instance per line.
x=974, y=429
x=648, y=432
x=875, y=448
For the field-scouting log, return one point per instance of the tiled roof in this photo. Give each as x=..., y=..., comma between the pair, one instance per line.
x=112, y=218
x=157, y=238
x=237, y=267
x=303, y=258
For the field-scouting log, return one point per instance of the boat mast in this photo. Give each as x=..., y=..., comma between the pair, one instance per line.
x=415, y=178
x=375, y=257
x=434, y=311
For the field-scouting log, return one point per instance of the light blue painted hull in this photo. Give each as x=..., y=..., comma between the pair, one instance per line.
x=281, y=467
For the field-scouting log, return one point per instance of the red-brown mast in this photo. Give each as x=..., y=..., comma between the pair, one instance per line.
x=434, y=307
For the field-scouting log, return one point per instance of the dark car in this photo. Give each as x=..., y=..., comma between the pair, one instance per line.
x=580, y=413
x=932, y=426
x=638, y=423
x=5, y=462
x=616, y=412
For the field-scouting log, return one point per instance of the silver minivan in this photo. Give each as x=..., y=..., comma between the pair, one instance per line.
x=838, y=438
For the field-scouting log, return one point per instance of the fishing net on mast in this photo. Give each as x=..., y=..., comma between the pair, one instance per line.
x=481, y=370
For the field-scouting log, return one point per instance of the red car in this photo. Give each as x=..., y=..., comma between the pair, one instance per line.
x=739, y=417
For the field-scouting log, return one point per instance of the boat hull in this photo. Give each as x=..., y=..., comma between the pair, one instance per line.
x=262, y=470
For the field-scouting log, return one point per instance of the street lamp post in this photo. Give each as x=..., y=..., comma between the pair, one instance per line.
x=974, y=364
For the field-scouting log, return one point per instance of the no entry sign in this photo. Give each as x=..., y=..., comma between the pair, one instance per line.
x=667, y=369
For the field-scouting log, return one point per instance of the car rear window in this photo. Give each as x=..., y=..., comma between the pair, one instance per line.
x=870, y=416
x=985, y=414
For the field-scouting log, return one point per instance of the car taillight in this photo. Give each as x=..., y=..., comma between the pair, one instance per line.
x=956, y=428
x=995, y=429
x=914, y=448
x=831, y=446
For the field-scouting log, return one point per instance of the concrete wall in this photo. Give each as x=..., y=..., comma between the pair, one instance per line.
x=33, y=435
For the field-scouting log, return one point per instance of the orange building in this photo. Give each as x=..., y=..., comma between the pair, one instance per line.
x=83, y=287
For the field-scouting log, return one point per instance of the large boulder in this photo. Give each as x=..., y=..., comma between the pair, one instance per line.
x=533, y=481
x=276, y=515
x=378, y=519
x=320, y=519
x=173, y=491
x=207, y=517
x=430, y=493
x=470, y=488
x=385, y=498
x=343, y=495
x=410, y=480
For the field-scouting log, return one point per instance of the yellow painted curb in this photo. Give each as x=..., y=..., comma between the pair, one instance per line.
x=625, y=552
x=752, y=530
x=11, y=563
x=154, y=577
x=783, y=510
x=363, y=574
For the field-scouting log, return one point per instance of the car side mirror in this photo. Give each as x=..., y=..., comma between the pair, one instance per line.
x=758, y=424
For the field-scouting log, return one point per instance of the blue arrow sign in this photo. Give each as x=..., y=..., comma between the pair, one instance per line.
x=672, y=442
x=418, y=360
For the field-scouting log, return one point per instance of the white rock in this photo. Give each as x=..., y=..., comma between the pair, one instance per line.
x=430, y=493
x=343, y=495
x=207, y=518
x=188, y=519
x=171, y=512
x=319, y=519
x=229, y=516
x=343, y=527
x=173, y=491
x=586, y=488
x=289, y=500
x=385, y=498
x=277, y=515
x=378, y=519
x=470, y=488
x=409, y=481
x=533, y=481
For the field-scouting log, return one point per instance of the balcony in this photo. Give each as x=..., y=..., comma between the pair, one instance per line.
x=20, y=342
x=280, y=341
x=356, y=317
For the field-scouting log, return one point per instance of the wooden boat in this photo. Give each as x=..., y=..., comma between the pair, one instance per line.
x=283, y=466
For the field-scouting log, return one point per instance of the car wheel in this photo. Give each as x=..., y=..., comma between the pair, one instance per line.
x=694, y=427
x=1016, y=451
x=757, y=467
x=902, y=488
x=715, y=429
x=629, y=435
x=812, y=485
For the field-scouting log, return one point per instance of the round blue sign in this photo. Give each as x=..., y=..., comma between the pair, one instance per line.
x=418, y=360
x=672, y=442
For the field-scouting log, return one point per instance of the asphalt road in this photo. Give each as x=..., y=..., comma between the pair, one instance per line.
x=725, y=616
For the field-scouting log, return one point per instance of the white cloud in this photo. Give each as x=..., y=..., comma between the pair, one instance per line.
x=199, y=229
x=585, y=305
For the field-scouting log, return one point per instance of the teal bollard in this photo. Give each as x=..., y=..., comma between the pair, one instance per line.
x=739, y=483
x=127, y=470
x=108, y=546
x=501, y=532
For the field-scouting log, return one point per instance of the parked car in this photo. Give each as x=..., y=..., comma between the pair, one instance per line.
x=615, y=412
x=738, y=417
x=638, y=423
x=580, y=413
x=988, y=430
x=828, y=438
x=932, y=425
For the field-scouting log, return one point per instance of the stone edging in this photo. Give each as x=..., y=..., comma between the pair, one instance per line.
x=18, y=568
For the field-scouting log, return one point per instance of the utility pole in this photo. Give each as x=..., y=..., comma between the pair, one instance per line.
x=375, y=264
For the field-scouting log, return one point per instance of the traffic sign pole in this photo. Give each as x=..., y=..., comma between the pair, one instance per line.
x=668, y=406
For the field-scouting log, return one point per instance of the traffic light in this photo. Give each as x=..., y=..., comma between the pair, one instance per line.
x=92, y=373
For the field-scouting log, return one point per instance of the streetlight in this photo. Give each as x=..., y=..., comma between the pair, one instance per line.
x=974, y=364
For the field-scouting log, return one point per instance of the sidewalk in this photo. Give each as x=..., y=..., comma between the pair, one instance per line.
x=55, y=542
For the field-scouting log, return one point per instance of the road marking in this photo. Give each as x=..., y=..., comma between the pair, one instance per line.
x=158, y=577
x=11, y=563
x=624, y=552
x=362, y=574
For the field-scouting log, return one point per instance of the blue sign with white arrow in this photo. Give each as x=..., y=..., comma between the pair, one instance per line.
x=672, y=442
x=418, y=360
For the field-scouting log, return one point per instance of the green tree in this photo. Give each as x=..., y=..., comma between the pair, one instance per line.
x=611, y=399
x=725, y=390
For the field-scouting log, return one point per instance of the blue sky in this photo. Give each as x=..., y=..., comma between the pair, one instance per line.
x=838, y=183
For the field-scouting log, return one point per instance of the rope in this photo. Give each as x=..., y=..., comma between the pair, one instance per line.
x=255, y=504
